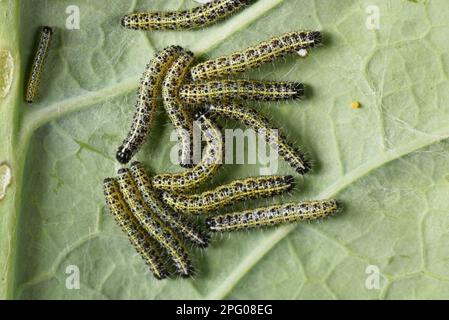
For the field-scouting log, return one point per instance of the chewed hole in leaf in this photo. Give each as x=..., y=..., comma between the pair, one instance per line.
x=6, y=72
x=5, y=179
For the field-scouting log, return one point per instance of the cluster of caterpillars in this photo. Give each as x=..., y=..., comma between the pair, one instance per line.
x=156, y=211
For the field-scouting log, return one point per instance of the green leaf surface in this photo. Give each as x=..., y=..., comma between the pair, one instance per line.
x=386, y=162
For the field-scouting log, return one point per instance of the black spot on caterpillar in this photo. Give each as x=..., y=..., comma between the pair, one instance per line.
x=273, y=215
x=209, y=164
x=178, y=223
x=184, y=20
x=254, y=57
x=179, y=117
x=231, y=90
x=239, y=190
x=261, y=125
x=38, y=64
x=158, y=230
x=144, y=245
x=147, y=94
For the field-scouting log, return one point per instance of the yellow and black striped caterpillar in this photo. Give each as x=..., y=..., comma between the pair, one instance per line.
x=178, y=223
x=274, y=136
x=239, y=190
x=273, y=215
x=255, y=56
x=179, y=117
x=147, y=94
x=38, y=64
x=157, y=229
x=209, y=164
x=230, y=90
x=184, y=20
x=144, y=245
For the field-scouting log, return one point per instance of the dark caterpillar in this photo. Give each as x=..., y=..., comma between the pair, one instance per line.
x=179, y=117
x=209, y=164
x=231, y=90
x=147, y=94
x=255, y=56
x=239, y=190
x=273, y=215
x=158, y=230
x=144, y=245
x=274, y=136
x=184, y=20
x=178, y=223
x=38, y=64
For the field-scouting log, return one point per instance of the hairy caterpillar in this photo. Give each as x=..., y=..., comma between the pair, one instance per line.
x=147, y=94
x=291, y=154
x=144, y=245
x=273, y=215
x=210, y=162
x=255, y=56
x=166, y=237
x=178, y=115
x=184, y=20
x=174, y=220
x=229, y=90
x=224, y=195
x=38, y=64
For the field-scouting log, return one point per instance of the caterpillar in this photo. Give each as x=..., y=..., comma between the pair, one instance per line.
x=38, y=64
x=209, y=164
x=147, y=94
x=179, y=117
x=184, y=20
x=224, y=195
x=229, y=90
x=152, y=224
x=256, y=56
x=274, y=136
x=272, y=215
x=144, y=245
x=174, y=220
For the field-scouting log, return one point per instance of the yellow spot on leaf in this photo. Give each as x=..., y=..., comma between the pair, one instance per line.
x=356, y=105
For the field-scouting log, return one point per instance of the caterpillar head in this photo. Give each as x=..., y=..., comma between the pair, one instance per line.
x=315, y=37
x=199, y=111
x=123, y=155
